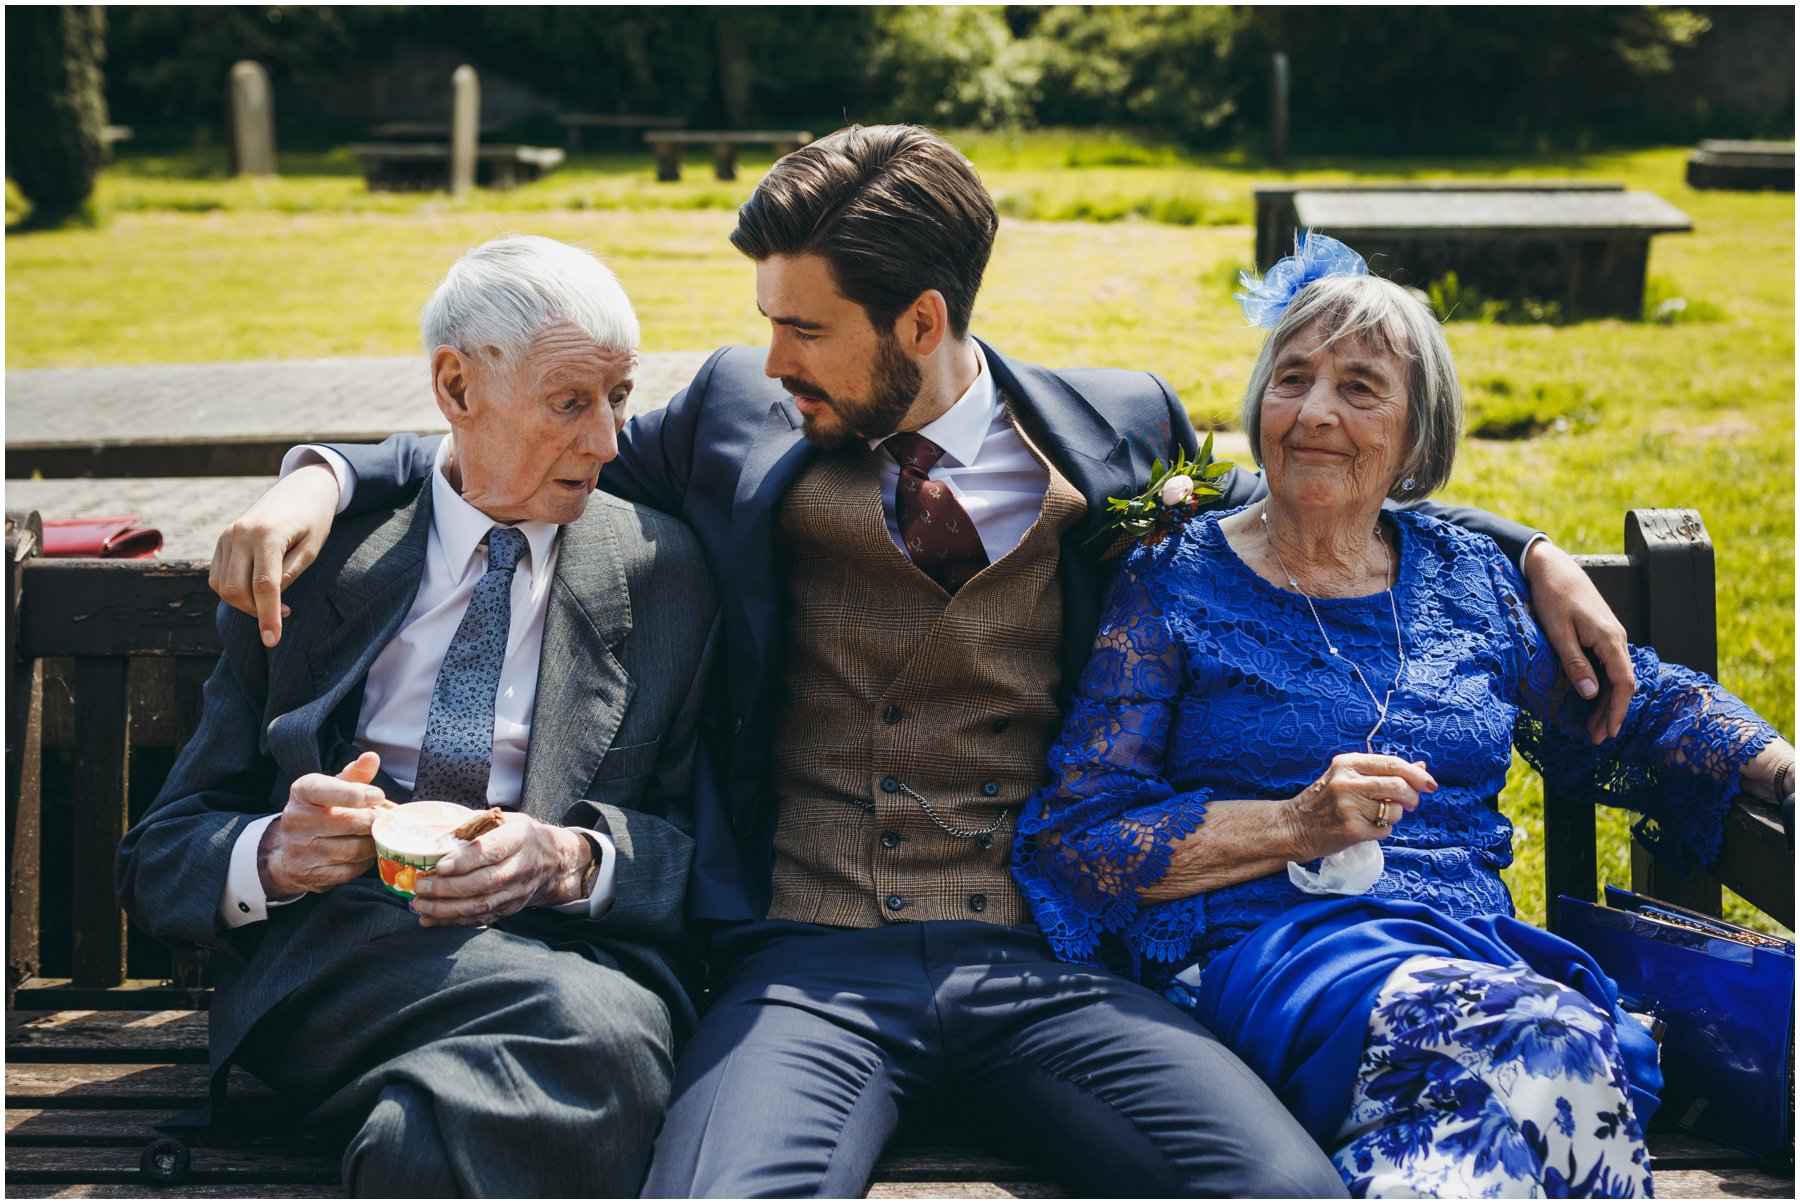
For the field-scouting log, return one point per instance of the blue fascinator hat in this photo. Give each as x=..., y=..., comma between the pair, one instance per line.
x=1315, y=257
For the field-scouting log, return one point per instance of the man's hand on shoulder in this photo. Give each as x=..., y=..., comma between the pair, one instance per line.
x=321, y=837
x=1576, y=620
x=259, y=555
x=520, y=864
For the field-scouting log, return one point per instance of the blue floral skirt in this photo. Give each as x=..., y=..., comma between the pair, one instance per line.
x=1484, y=1081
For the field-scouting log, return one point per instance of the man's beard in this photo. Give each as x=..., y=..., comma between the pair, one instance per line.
x=893, y=387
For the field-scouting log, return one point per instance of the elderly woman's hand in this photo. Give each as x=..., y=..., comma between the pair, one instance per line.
x=1360, y=797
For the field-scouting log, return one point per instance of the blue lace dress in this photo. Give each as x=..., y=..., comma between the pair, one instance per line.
x=1208, y=684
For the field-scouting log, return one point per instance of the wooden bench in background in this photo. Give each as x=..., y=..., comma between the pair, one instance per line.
x=105, y=1033
x=627, y=124
x=423, y=166
x=670, y=145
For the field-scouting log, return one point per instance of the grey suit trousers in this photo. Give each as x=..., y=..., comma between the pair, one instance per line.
x=476, y=1062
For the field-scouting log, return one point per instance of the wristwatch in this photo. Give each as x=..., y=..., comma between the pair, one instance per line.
x=592, y=872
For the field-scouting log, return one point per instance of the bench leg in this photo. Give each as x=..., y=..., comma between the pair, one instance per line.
x=102, y=794
x=725, y=160
x=668, y=162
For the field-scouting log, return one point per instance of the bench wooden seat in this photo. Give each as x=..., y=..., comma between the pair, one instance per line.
x=423, y=166
x=106, y=1033
x=86, y=1090
x=669, y=146
x=1742, y=166
x=1588, y=251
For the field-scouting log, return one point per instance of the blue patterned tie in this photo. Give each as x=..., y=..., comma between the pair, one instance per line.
x=458, y=748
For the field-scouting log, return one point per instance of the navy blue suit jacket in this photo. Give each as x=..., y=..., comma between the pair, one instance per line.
x=722, y=453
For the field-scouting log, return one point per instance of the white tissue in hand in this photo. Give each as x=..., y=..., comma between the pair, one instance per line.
x=1348, y=872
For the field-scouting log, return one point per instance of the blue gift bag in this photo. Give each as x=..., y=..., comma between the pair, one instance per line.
x=1726, y=998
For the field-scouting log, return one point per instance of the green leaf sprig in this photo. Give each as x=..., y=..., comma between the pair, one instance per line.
x=1146, y=518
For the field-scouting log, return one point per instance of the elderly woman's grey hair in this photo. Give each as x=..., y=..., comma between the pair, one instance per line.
x=500, y=296
x=1390, y=321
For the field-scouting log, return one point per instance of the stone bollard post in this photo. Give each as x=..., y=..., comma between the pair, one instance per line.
x=1278, y=111
x=465, y=128
x=251, y=112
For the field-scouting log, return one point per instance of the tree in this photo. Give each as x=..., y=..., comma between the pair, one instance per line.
x=55, y=108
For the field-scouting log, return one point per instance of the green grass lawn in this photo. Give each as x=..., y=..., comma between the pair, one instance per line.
x=1114, y=252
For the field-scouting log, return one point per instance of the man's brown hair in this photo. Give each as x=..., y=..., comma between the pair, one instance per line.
x=894, y=209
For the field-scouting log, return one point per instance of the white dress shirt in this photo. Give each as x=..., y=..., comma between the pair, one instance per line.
x=397, y=695
x=986, y=464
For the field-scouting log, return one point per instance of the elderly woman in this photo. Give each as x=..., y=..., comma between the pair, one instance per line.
x=1307, y=676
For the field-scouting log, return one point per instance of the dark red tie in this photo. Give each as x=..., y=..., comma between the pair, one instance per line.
x=938, y=533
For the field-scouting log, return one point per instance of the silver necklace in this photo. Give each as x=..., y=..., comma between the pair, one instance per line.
x=1381, y=705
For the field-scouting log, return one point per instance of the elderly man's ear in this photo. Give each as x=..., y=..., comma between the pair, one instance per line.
x=451, y=374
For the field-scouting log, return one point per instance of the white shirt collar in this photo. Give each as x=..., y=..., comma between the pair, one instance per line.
x=961, y=429
x=462, y=529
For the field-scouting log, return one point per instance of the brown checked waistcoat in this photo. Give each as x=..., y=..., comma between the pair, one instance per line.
x=895, y=691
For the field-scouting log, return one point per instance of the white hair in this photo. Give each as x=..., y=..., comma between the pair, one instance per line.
x=500, y=296
x=1393, y=322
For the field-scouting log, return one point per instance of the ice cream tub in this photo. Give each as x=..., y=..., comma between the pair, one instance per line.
x=411, y=838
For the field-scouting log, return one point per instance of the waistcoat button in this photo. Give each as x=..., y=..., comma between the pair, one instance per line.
x=1001, y=725
x=891, y=715
x=990, y=788
x=985, y=841
x=890, y=784
x=895, y=902
x=890, y=839
x=977, y=902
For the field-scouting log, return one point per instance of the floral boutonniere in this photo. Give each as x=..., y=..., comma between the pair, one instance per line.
x=1175, y=494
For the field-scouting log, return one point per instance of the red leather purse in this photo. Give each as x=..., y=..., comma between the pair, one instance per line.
x=116, y=538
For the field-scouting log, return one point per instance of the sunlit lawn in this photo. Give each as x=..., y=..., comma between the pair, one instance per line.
x=1697, y=413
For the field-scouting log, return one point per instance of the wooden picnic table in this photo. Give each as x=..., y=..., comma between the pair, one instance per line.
x=1590, y=251
x=422, y=166
x=669, y=146
x=236, y=419
x=1276, y=226
x=626, y=123
x=1744, y=166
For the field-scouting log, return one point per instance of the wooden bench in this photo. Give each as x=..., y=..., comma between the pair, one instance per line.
x=626, y=123
x=670, y=145
x=424, y=166
x=105, y=1033
x=1276, y=223
x=1742, y=166
x=1588, y=251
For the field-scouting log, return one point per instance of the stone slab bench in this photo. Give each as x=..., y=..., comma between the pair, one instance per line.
x=670, y=145
x=106, y=1033
x=1276, y=226
x=1589, y=251
x=627, y=124
x=1742, y=166
x=424, y=166
x=236, y=419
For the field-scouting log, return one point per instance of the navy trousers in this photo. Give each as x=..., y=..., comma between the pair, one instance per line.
x=821, y=1041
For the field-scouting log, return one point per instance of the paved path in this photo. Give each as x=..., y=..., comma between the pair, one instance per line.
x=350, y=399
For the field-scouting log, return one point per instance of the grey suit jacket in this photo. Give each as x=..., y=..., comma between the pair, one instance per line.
x=628, y=638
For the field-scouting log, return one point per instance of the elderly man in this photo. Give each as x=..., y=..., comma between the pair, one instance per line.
x=486, y=640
